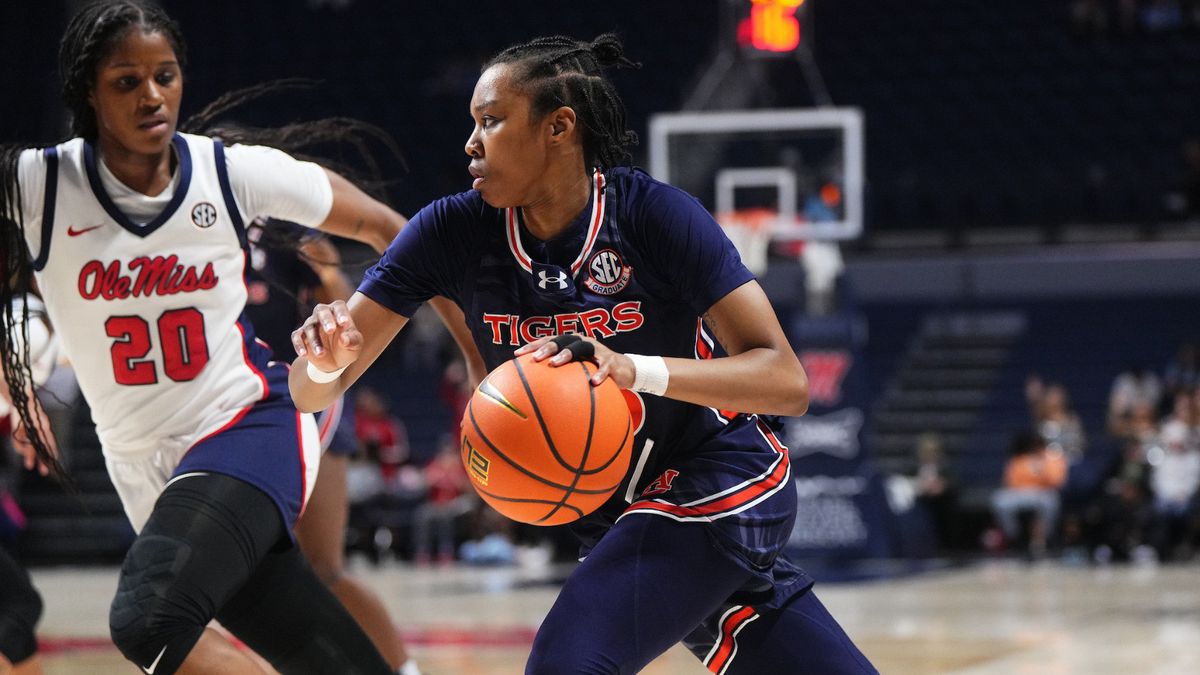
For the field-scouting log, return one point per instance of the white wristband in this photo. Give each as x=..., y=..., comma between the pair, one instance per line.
x=321, y=377
x=650, y=374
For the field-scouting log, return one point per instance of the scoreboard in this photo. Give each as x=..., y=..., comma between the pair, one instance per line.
x=770, y=27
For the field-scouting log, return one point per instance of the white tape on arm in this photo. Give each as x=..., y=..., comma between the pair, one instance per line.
x=650, y=374
x=321, y=377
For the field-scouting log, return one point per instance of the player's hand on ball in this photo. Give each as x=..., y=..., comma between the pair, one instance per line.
x=564, y=349
x=328, y=339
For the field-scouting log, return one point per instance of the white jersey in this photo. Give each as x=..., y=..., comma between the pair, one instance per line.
x=151, y=314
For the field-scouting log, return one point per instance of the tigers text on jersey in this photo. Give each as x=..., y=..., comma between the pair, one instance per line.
x=636, y=271
x=150, y=315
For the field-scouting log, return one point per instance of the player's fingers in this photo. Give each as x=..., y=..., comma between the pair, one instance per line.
x=298, y=342
x=341, y=313
x=601, y=373
x=557, y=345
x=324, y=316
x=579, y=350
x=312, y=335
x=531, y=346
x=351, y=339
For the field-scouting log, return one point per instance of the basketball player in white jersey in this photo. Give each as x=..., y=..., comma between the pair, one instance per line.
x=137, y=237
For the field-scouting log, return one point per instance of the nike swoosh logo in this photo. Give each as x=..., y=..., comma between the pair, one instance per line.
x=153, y=666
x=72, y=232
x=489, y=390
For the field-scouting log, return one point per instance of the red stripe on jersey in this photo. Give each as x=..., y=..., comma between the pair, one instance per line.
x=245, y=349
x=250, y=364
x=594, y=227
x=727, y=648
x=303, y=468
x=236, y=418
x=332, y=414
x=703, y=346
x=704, y=352
x=729, y=501
x=512, y=230
x=514, y=242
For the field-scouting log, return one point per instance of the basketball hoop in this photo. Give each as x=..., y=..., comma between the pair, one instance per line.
x=750, y=231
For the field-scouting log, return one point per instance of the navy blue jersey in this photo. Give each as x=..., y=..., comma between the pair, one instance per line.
x=636, y=271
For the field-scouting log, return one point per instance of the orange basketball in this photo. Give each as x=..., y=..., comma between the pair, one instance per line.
x=544, y=446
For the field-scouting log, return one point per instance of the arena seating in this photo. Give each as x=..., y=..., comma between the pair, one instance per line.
x=995, y=113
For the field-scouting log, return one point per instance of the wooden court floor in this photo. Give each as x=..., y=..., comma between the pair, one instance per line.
x=988, y=619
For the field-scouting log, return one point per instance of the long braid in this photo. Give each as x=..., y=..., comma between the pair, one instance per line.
x=561, y=71
x=16, y=276
x=291, y=138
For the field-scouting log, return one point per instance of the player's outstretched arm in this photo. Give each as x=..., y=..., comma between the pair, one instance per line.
x=760, y=375
x=335, y=345
x=356, y=215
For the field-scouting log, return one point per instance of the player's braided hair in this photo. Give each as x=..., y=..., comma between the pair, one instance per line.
x=560, y=71
x=308, y=140
x=92, y=34
x=16, y=274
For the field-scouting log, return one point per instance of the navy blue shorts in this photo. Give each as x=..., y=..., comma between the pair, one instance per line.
x=271, y=446
x=737, y=486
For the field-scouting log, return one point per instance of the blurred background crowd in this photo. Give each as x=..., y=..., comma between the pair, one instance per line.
x=1016, y=325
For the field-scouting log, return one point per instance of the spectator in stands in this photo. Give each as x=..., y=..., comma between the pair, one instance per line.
x=1182, y=374
x=1139, y=427
x=1183, y=413
x=1136, y=386
x=1032, y=477
x=1120, y=518
x=935, y=489
x=1175, y=479
x=383, y=436
x=493, y=541
x=1054, y=419
x=450, y=496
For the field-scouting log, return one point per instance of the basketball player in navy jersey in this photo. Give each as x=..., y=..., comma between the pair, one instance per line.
x=136, y=235
x=562, y=252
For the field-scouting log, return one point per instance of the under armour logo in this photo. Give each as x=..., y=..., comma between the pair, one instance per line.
x=559, y=281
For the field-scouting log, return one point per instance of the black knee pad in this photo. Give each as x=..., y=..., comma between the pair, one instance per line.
x=20, y=609
x=151, y=620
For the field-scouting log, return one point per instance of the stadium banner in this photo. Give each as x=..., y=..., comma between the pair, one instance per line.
x=842, y=512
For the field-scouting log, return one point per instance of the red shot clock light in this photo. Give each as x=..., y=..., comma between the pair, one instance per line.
x=772, y=26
